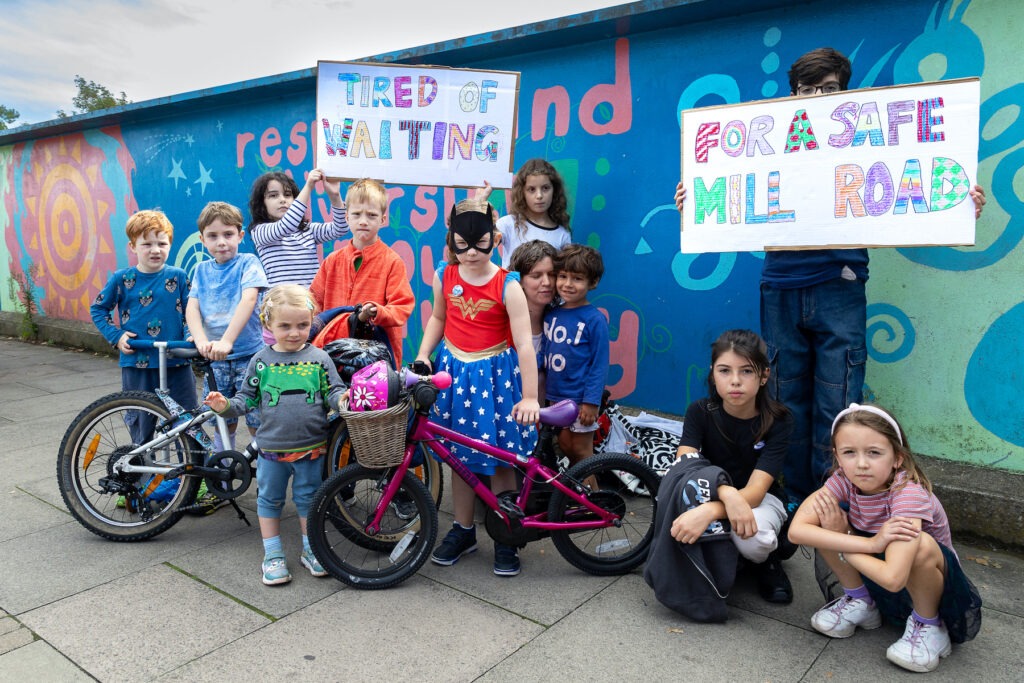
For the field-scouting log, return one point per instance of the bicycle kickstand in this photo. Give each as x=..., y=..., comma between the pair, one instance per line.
x=241, y=514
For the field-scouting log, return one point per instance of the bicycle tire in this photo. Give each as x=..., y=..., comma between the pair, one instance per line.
x=92, y=439
x=342, y=454
x=610, y=550
x=338, y=513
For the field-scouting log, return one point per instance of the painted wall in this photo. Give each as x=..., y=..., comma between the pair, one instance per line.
x=600, y=97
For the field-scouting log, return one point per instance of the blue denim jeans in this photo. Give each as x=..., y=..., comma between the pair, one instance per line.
x=272, y=481
x=817, y=352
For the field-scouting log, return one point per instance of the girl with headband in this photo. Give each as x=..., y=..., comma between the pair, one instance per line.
x=883, y=532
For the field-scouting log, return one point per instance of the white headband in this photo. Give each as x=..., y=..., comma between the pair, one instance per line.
x=856, y=407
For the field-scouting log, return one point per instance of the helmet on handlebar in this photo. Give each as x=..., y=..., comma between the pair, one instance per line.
x=350, y=355
x=374, y=387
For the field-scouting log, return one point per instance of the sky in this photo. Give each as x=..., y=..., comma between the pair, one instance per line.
x=156, y=48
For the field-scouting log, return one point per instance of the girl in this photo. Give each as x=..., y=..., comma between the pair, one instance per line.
x=480, y=318
x=877, y=550
x=742, y=430
x=538, y=209
x=293, y=384
x=285, y=241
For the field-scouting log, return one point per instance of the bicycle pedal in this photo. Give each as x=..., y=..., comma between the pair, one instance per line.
x=507, y=504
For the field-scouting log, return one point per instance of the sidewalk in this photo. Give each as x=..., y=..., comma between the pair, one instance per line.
x=189, y=606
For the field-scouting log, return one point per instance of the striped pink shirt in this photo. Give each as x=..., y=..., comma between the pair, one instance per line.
x=869, y=512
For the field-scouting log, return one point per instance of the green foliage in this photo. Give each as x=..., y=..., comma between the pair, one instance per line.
x=22, y=287
x=92, y=97
x=7, y=116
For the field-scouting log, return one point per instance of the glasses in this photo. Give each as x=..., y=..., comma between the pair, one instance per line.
x=826, y=89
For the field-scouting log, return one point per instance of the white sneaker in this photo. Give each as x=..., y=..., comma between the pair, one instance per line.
x=920, y=647
x=841, y=617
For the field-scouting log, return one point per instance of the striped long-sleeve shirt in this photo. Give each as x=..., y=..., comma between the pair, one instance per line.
x=288, y=254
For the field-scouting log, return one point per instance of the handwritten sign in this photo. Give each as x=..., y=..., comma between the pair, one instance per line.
x=875, y=167
x=416, y=125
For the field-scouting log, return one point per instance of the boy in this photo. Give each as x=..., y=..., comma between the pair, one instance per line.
x=576, y=347
x=150, y=299
x=365, y=271
x=221, y=310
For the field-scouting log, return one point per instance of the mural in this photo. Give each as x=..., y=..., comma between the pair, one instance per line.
x=942, y=321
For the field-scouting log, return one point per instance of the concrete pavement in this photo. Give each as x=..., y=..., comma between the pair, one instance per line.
x=189, y=606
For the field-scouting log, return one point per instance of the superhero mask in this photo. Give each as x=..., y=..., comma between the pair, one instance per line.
x=473, y=226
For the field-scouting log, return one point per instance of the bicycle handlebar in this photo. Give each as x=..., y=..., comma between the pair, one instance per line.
x=176, y=349
x=442, y=380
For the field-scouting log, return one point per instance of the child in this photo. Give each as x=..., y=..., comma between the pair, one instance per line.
x=538, y=211
x=150, y=299
x=480, y=317
x=294, y=385
x=745, y=432
x=365, y=272
x=877, y=550
x=285, y=241
x=576, y=347
x=221, y=310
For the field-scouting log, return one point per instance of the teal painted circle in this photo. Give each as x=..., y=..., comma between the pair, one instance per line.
x=770, y=63
x=598, y=202
x=772, y=36
x=602, y=166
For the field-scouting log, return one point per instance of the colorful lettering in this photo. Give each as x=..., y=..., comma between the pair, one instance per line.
x=910, y=189
x=927, y=120
x=869, y=125
x=800, y=134
x=707, y=202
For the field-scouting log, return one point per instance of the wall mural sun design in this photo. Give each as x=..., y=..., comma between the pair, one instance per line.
x=69, y=212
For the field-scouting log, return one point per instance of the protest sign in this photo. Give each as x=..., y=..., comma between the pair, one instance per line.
x=875, y=167
x=416, y=125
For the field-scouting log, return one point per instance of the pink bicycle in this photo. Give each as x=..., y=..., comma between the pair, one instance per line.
x=591, y=511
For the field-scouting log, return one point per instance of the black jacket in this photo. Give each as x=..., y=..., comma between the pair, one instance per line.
x=693, y=579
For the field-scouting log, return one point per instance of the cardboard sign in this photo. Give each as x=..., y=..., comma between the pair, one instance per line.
x=875, y=167
x=416, y=125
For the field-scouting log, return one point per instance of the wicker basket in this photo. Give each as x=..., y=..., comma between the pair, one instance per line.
x=378, y=436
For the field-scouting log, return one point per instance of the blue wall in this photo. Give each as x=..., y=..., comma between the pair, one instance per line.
x=600, y=96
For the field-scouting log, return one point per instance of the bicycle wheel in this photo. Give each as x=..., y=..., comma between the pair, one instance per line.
x=340, y=510
x=613, y=549
x=342, y=454
x=94, y=441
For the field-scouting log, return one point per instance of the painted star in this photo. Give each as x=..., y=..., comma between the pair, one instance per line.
x=501, y=433
x=446, y=415
x=462, y=420
x=188, y=191
x=472, y=389
x=481, y=411
x=468, y=403
x=176, y=172
x=460, y=391
x=485, y=394
x=204, y=178
x=485, y=437
x=220, y=126
x=189, y=140
x=499, y=399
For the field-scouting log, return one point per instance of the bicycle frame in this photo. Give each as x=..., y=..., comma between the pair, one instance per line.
x=426, y=432
x=193, y=426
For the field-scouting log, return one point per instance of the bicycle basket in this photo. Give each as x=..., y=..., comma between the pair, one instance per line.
x=377, y=418
x=378, y=436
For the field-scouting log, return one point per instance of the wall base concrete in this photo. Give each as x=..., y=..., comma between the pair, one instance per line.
x=983, y=502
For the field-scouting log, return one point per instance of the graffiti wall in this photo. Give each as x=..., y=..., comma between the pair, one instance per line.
x=944, y=323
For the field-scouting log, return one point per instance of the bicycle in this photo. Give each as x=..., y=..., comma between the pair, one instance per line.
x=101, y=464
x=355, y=534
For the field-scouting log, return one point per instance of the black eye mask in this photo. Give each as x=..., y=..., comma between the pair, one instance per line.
x=473, y=226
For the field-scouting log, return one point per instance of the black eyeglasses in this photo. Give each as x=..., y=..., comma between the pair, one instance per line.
x=826, y=89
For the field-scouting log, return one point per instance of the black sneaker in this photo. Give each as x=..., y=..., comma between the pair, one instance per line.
x=404, y=507
x=506, y=560
x=772, y=582
x=457, y=543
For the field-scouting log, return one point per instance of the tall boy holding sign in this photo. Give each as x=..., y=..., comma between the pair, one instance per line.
x=813, y=315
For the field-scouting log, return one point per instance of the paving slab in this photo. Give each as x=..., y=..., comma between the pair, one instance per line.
x=418, y=631
x=113, y=635
x=234, y=567
x=547, y=589
x=39, y=660
x=25, y=514
x=617, y=636
x=77, y=560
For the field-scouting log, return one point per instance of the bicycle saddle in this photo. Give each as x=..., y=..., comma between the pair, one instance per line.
x=561, y=414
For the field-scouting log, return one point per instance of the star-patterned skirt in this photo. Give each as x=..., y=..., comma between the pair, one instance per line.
x=479, y=404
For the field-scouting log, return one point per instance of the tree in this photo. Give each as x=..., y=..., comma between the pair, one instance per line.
x=92, y=97
x=7, y=116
